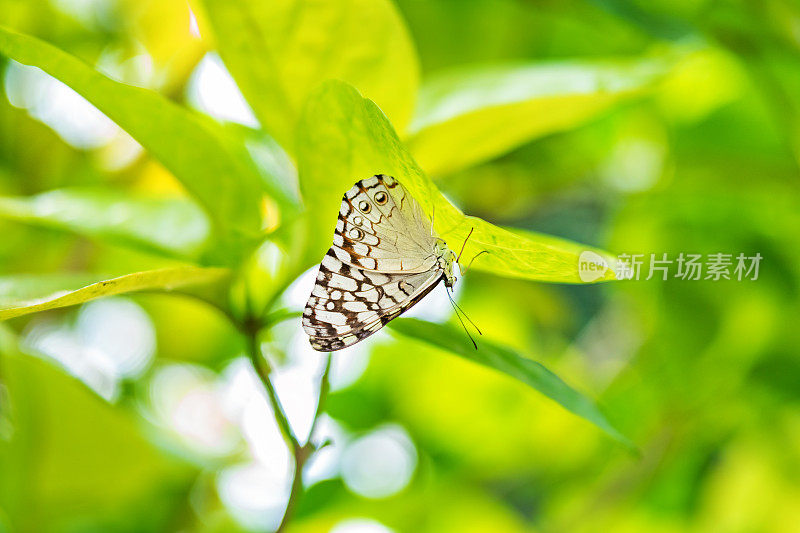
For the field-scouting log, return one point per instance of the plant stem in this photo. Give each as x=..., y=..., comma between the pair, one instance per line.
x=300, y=453
x=263, y=370
x=303, y=453
x=294, y=494
x=324, y=387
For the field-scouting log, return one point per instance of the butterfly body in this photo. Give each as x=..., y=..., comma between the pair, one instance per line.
x=385, y=258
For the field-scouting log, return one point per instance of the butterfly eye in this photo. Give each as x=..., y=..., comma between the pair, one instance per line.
x=364, y=206
x=356, y=234
x=381, y=197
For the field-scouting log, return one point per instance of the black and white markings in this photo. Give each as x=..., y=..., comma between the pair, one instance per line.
x=384, y=259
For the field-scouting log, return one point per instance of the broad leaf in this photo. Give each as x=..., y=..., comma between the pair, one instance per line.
x=171, y=227
x=73, y=458
x=344, y=138
x=280, y=50
x=509, y=362
x=276, y=168
x=471, y=115
x=21, y=295
x=191, y=146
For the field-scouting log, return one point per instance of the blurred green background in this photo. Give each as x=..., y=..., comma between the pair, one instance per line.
x=141, y=412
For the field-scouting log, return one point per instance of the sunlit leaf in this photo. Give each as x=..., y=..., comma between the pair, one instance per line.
x=276, y=168
x=72, y=456
x=344, y=137
x=164, y=29
x=192, y=147
x=280, y=50
x=509, y=362
x=21, y=295
x=471, y=115
x=171, y=227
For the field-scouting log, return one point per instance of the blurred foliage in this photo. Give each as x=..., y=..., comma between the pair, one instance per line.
x=631, y=126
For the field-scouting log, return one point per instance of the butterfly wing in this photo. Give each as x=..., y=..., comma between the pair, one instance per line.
x=381, y=227
x=349, y=304
x=382, y=262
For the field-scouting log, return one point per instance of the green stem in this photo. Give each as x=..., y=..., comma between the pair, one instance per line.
x=263, y=370
x=294, y=494
x=302, y=454
x=324, y=387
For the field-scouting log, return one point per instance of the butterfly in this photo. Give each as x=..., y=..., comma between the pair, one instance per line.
x=385, y=258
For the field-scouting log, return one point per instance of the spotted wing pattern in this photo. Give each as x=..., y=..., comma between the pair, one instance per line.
x=381, y=227
x=382, y=262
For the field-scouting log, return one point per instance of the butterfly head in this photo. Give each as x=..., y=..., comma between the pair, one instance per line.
x=446, y=259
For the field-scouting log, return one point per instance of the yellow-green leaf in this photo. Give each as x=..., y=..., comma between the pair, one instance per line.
x=280, y=50
x=192, y=147
x=22, y=295
x=506, y=360
x=471, y=115
x=173, y=227
x=344, y=138
x=67, y=444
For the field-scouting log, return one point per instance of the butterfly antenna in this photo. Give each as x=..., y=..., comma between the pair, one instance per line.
x=455, y=308
x=455, y=305
x=473, y=260
x=433, y=217
x=465, y=243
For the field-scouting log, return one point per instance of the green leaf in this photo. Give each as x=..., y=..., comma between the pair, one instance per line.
x=343, y=138
x=509, y=362
x=277, y=171
x=74, y=461
x=280, y=50
x=192, y=147
x=471, y=115
x=171, y=227
x=21, y=295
